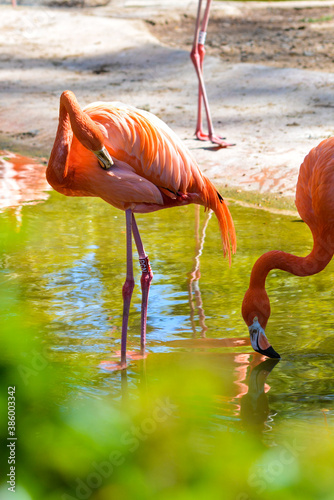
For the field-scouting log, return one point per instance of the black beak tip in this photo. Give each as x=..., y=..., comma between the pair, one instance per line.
x=270, y=352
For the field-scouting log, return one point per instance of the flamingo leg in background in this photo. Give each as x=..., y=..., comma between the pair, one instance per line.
x=197, y=57
x=128, y=286
x=145, y=280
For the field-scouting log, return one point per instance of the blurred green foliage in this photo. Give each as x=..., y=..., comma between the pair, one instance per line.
x=187, y=422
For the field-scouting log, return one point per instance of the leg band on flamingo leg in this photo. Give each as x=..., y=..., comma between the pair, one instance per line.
x=145, y=280
x=201, y=38
x=145, y=264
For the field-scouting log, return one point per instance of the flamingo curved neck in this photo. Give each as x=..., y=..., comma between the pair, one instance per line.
x=57, y=167
x=84, y=128
x=72, y=121
x=313, y=263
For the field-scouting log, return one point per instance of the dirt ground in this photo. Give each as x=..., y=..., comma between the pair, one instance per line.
x=295, y=36
x=268, y=72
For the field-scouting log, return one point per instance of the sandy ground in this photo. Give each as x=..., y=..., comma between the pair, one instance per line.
x=269, y=75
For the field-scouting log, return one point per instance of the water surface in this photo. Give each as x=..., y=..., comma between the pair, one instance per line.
x=68, y=268
x=62, y=266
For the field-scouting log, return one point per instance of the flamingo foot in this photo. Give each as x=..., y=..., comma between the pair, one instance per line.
x=215, y=139
x=133, y=355
x=110, y=366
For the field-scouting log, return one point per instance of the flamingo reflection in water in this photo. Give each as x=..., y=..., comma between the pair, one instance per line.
x=193, y=284
x=22, y=181
x=240, y=404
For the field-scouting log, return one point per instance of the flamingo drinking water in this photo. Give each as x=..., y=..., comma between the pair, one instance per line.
x=315, y=204
x=132, y=160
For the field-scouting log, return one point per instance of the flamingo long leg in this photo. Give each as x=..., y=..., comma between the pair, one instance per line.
x=197, y=57
x=128, y=286
x=145, y=280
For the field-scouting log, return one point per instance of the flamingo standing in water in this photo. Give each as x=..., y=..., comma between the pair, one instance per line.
x=315, y=204
x=197, y=56
x=132, y=160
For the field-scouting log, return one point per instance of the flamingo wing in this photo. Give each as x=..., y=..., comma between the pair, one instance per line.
x=151, y=168
x=120, y=186
x=146, y=144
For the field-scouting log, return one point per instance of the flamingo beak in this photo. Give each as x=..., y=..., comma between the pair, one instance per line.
x=104, y=158
x=259, y=340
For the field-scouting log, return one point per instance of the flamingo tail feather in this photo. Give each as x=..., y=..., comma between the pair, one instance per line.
x=216, y=202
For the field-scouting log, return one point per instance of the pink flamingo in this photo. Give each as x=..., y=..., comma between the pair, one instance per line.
x=197, y=56
x=132, y=160
x=315, y=204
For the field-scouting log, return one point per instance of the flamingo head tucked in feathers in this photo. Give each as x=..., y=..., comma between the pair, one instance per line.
x=256, y=312
x=86, y=130
x=104, y=158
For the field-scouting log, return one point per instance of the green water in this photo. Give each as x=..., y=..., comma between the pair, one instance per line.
x=228, y=425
